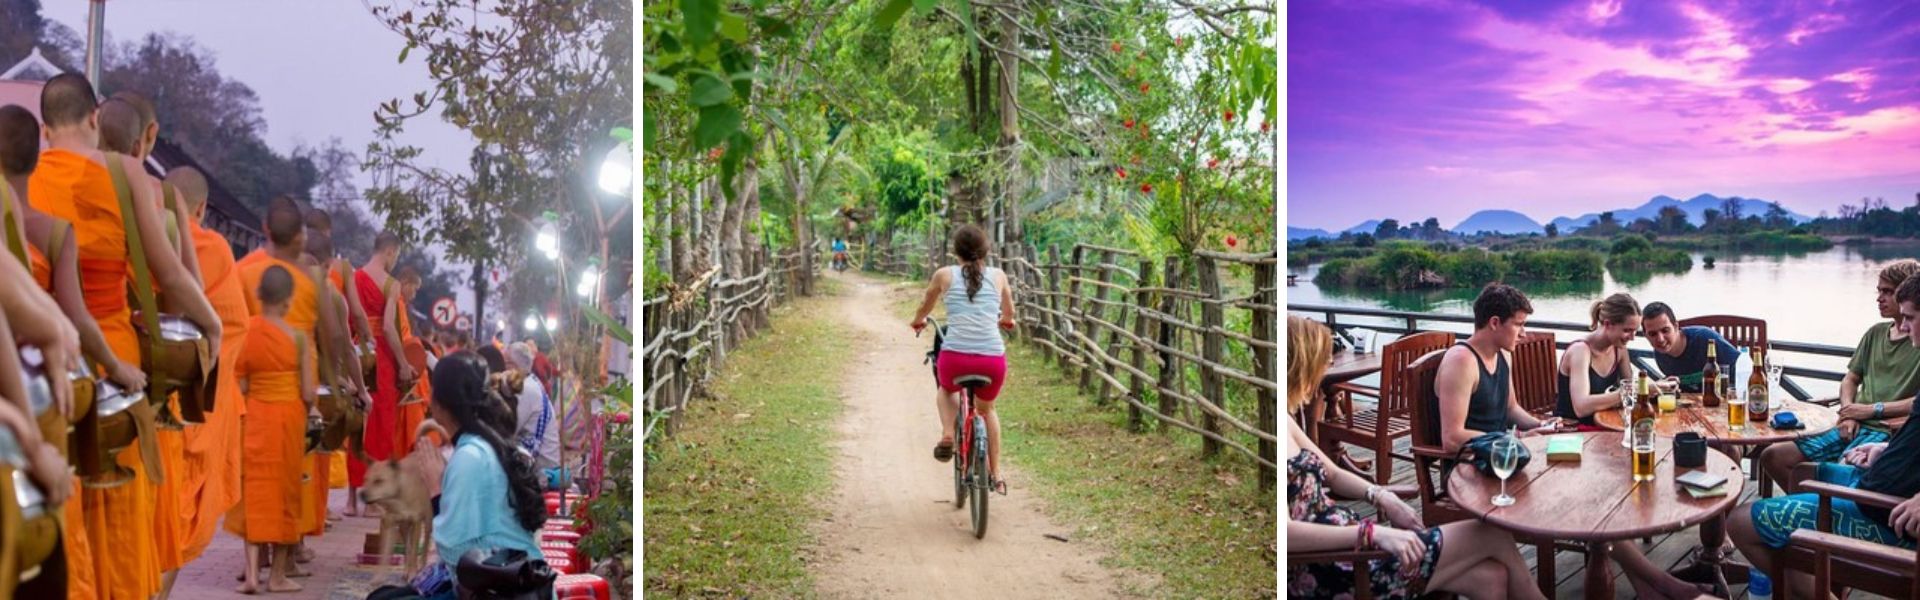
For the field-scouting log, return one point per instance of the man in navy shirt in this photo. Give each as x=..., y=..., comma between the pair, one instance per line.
x=1682, y=351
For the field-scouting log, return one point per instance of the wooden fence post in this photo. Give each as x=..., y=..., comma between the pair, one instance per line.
x=1264, y=318
x=1142, y=299
x=1212, y=347
x=1075, y=312
x=1055, y=319
x=1172, y=376
x=1096, y=311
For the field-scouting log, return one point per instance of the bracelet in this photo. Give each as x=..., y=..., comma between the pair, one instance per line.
x=1365, y=532
x=1372, y=493
x=1879, y=409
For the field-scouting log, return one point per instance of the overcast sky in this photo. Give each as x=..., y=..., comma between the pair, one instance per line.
x=1416, y=108
x=319, y=67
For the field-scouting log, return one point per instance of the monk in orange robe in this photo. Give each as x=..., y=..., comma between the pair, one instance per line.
x=72, y=184
x=413, y=406
x=121, y=132
x=213, y=449
x=286, y=247
x=276, y=373
x=41, y=237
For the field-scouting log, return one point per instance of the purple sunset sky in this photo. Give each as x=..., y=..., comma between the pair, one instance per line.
x=1411, y=109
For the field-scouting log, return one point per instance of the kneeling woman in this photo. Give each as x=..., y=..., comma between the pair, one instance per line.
x=490, y=494
x=1466, y=557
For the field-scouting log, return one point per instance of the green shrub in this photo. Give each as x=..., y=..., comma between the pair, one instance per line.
x=1557, y=265
x=1651, y=260
x=1630, y=243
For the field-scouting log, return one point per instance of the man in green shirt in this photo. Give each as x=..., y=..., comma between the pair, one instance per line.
x=1880, y=384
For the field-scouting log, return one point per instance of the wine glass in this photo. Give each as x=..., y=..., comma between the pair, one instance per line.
x=1627, y=400
x=1506, y=455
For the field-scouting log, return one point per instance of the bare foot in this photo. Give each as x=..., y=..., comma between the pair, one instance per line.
x=246, y=588
x=303, y=556
x=353, y=510
x=283, y=586
x=296, y=572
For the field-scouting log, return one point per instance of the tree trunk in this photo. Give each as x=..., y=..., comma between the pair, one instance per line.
x=480, y=282
x=1009, y=110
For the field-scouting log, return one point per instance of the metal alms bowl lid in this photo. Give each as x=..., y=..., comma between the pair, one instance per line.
x=31, y=500
x=110, y=399
x=39, y=390
x=175, y=328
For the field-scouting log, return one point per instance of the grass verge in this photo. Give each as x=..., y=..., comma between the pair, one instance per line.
x=1201, y=527
x=730, y=497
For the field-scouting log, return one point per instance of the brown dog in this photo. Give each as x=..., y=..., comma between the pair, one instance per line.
x=404, y=491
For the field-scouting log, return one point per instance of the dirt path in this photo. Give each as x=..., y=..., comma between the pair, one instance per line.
x=894, y=532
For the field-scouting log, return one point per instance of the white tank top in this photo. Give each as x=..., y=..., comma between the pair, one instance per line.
x=973, y=326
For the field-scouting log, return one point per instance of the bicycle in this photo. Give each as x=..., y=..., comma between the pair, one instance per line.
x=970, y=474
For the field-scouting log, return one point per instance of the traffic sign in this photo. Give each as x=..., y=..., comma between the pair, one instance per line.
x=465, y=323
x=444, y=311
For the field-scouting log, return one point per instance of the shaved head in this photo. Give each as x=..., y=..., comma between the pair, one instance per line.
x=319, y=245
x=141, y=105
x=19, y=140
x=120, y=127
x=276, y=286
x=407, y=274
x=67, y=100
x=284, y=225
x=319, y=220
x=192, y=185
x=385, y=241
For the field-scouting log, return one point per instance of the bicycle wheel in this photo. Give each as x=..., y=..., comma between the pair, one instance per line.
x=982, y=482
x=959, y=467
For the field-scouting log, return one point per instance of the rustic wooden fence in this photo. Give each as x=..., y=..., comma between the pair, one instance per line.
x=694, y=327
x=1149, y=334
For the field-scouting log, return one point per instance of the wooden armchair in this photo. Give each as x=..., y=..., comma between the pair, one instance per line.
x=1885, y=570
x=1536, y=373
x=1743, y=332
x=1377, y=428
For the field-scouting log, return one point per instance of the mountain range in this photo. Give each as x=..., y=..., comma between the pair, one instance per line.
x=1511, y=222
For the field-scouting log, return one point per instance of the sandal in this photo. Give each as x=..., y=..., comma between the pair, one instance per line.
x=943, y=451
x=1000, y=485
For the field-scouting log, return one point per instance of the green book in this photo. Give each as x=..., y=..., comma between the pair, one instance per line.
x=1717, y=491
x=1564, y=447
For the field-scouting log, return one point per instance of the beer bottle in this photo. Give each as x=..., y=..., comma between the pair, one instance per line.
x=1642, y=432
x=1710, y=378
x=1757, y=392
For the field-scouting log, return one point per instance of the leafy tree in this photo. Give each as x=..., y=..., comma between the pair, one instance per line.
x=1672, y=219
x=1553, y=230
x=1387, y=229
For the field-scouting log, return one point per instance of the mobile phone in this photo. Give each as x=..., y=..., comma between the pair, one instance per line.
x=1701, y=480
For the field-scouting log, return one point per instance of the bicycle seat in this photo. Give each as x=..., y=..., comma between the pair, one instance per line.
x=973, y=382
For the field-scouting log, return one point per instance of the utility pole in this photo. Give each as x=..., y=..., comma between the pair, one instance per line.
x=96, y=34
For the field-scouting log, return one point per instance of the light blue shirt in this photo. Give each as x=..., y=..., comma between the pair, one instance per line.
x=474, y=510
x=973, y=325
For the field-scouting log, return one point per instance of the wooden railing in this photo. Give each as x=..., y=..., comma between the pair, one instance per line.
x=1145, y=333
x=1403, y=322
x=696, y=325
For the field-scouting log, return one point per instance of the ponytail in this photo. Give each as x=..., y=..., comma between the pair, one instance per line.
x=970, y=245
x=1614, y=309
x=460, y=386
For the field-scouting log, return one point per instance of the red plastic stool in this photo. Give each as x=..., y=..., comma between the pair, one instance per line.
x=559, y=562
x=565, y=549
x=557, y=535
x=583, y=586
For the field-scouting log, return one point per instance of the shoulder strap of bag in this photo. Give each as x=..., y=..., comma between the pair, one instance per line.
x=10, y=217
x=137, y=250
x=56, y=241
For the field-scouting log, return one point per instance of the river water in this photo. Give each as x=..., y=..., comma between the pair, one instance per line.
x=1820, y=297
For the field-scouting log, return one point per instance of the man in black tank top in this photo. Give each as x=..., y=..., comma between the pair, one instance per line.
x=1474, y=387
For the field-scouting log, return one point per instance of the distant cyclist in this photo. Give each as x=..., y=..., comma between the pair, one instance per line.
x=839, y=254
x=977, y=298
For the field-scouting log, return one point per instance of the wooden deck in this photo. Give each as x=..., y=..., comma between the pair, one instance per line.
x=1570, y=567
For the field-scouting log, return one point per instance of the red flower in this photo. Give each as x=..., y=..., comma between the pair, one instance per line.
x=621, y=418
x=1179, y=41
x=1143, y=87
x=714, y=154
x=1265, y=127
x=1233, y=241
x=1229, y=116
x=1116, y=46
x=1146, y=188
x=1128, y=124
x=1121, y=171
x=1213, y=162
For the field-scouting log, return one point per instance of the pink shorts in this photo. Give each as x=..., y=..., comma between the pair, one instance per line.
x=952, y=365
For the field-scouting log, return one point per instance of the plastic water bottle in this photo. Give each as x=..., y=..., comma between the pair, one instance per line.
x=1758, y=586
x=1742, y=368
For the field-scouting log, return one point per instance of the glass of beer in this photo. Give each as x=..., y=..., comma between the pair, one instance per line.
x=1643, y=459
x=1506, y=455
x=1736, y=408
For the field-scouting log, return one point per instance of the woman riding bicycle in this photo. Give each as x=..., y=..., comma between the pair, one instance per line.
x=978, y=297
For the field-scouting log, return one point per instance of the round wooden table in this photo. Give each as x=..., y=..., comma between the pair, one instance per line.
x=1712, y=562
x=1595, y=501
x=1349, y=365
x=1346, y=366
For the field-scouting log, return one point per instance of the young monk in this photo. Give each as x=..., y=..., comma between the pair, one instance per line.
x=213, y=449
x=276, y=373
x=73, y=183
x=120, y=132
x=342, y=378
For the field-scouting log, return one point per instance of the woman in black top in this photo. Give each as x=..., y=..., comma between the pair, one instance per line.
x=1602, y=355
